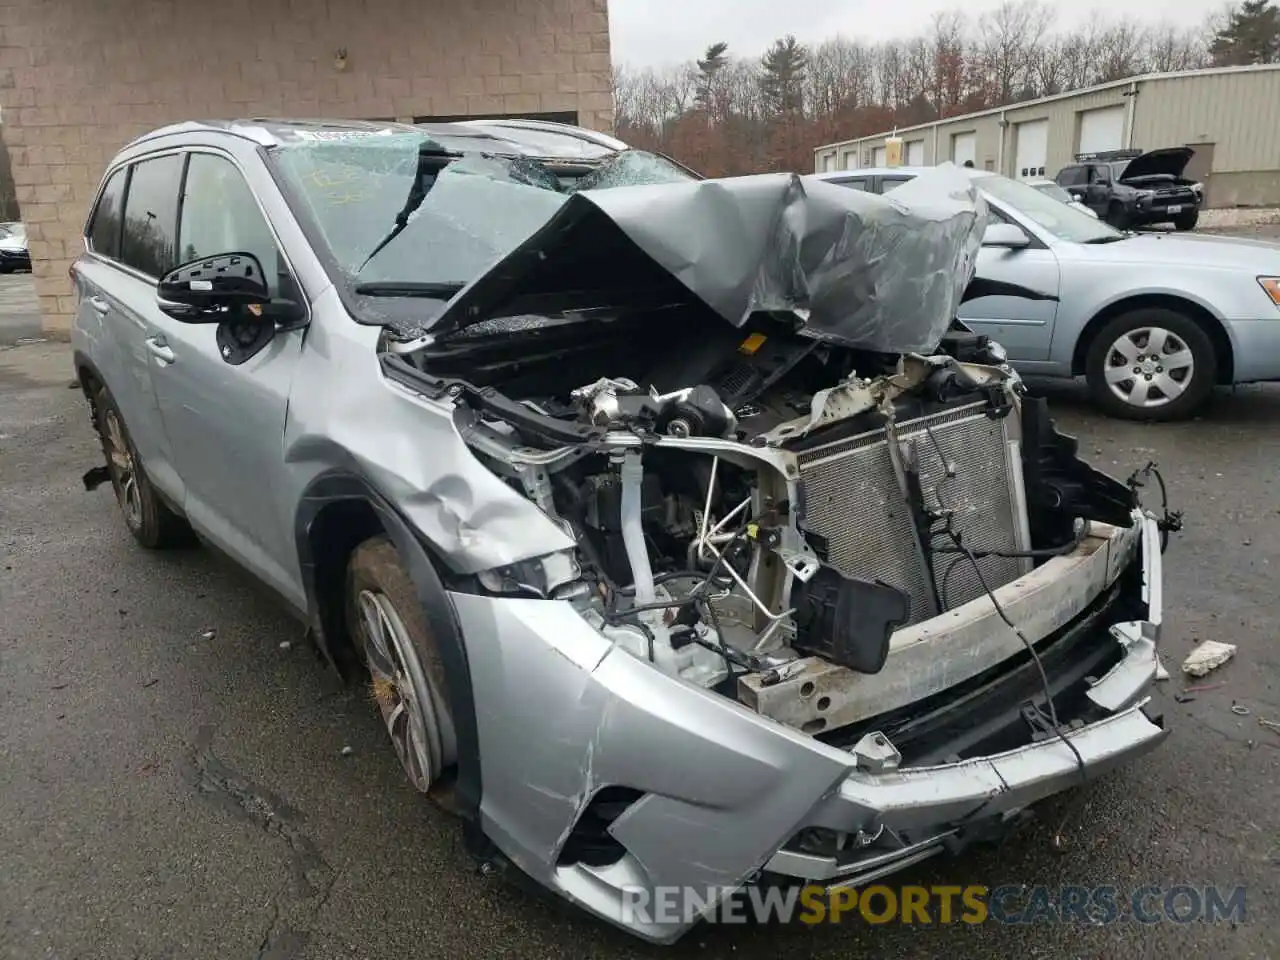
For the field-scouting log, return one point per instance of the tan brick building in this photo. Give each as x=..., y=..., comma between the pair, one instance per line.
x=79, y=78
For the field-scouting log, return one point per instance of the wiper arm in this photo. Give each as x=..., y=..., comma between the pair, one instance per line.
x=1109, y=239
x=411, y=288
x=417, y=193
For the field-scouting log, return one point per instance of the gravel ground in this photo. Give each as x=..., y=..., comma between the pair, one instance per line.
x=173, y=782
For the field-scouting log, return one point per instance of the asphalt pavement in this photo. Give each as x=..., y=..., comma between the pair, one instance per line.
x=173, y=781
x=19, y=310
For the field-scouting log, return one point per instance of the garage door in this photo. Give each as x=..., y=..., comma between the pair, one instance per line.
x=915, y=153
x=1032, y=140
x=1102, y=129
x=964, y=148
x=880, y=157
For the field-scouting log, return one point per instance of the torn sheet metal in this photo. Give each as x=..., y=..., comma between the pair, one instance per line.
x=883, y=273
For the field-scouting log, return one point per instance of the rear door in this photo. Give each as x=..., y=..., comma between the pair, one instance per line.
x=225, y=420
x=130, y=238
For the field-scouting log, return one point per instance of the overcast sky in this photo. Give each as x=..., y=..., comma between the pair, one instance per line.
x=654, y=32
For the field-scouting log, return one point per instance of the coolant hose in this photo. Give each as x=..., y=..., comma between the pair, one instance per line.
x=632, y=533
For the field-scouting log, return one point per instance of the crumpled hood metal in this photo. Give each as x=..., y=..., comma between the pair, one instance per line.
x=882, y=273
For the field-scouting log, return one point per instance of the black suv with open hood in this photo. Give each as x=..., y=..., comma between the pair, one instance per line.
x=1129, y=188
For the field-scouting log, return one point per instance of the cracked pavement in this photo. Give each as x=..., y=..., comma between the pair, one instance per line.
x=169, y=794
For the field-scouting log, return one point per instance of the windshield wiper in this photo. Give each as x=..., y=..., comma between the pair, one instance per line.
x=1116, y=238
x=411, y=288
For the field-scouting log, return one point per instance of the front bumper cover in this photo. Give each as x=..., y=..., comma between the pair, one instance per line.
x=724, y=790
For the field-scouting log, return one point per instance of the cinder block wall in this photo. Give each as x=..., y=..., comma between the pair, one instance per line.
x=79, y=80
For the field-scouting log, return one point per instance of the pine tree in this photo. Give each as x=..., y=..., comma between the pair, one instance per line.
x=782, y=83
x=713, y=61
x=1250, y=35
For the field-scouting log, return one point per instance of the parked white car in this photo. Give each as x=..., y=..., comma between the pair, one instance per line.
x=1051, y=189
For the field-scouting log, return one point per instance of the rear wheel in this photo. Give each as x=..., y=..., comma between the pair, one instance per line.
x=1186, y=221
x=1151, y=364
x=407, y=682
x=150, y=521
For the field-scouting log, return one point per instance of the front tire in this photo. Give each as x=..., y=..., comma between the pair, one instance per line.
x=1151, y=364
x=1186, y=221
x=407, y=681
x=1117, y=217
x=150, y=521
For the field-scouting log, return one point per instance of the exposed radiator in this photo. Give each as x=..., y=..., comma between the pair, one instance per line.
x=852, y=500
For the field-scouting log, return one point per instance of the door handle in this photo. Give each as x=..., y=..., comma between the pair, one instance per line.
x=160, y=350
x=99, y=304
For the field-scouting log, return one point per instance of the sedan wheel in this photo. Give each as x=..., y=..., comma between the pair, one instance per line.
x=1151, y=364
x=1149, y=367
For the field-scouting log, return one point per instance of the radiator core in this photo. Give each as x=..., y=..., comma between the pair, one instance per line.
x=853, y=501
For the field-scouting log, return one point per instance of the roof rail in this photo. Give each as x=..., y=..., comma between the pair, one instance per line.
x=1108, y=155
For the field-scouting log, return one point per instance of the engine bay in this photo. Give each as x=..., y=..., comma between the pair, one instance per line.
x=747, y=501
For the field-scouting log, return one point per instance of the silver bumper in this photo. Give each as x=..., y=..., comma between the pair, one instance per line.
x=562, y=714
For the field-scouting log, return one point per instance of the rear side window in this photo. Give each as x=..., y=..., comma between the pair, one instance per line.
x=1072, y=176
x=891, y=183
x=104, y=228
x=853, y=184
x=149, y=241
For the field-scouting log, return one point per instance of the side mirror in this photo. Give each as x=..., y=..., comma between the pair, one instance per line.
x=1005, y=235
x=214, y=289
x=1076, y=191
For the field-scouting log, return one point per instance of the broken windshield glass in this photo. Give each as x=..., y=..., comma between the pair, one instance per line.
x=401, y=216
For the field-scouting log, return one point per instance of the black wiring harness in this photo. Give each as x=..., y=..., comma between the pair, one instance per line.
x=1169, y=521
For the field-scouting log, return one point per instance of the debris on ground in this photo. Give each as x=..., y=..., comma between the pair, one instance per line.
x=1161, y=672
x=347, y=751
x=1269, y=724
x=1203, y=687
x=1240, y=710
x=208, y=635
x=285, y=644
x=1208, y=657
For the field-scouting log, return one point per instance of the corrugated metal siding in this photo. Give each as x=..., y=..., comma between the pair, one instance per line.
x=1237, y=112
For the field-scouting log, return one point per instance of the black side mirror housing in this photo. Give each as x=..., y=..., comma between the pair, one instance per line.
x=214, y=289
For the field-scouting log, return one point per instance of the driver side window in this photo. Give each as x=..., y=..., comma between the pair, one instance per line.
x=220, y=215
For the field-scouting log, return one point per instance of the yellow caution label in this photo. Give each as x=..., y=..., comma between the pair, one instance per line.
x=752, y=343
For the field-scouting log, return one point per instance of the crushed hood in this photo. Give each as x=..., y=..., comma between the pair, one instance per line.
x=1169, y=162
x=882, y=273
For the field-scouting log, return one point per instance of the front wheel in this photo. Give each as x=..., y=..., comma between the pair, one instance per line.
x=1186, y=221
x=1151, y=364
x=1117, y=217
x=407, y=682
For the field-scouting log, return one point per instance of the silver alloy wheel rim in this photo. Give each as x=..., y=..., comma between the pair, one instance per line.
x=126, y=474
x=405, y=699
x=1149, y=367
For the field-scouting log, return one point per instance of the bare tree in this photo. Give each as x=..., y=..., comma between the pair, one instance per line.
x=1008, y=39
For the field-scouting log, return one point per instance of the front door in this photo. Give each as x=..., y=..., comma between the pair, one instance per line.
x=225, y=421
x=1023, y=327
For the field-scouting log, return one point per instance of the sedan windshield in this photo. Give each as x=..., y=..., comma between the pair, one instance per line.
x=1062, y=221
x=406, y=214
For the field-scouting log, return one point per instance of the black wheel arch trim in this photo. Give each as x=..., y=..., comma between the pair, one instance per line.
x=342, y=486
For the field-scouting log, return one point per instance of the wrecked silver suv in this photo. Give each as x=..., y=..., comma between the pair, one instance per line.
x=684, y=538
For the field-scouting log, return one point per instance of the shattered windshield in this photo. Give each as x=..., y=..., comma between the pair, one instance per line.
x=404, y=215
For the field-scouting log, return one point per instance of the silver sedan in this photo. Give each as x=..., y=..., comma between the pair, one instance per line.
x=1152, y=321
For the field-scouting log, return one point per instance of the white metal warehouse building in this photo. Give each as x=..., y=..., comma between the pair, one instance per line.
x=1229, y=115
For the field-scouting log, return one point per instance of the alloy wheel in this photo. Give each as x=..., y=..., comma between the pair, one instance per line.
x=124, y=470
x=409, y=708
x=1149, y=367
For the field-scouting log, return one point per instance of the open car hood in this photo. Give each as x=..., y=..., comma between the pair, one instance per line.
x=1169, y=161
x=873, y=272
